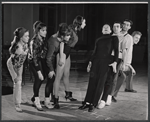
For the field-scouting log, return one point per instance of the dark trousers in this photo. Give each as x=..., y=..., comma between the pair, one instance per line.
x=109, y=81
x=37, y=82
x=97, y=80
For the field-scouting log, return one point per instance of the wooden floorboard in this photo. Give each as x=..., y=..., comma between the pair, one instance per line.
x=130, y=106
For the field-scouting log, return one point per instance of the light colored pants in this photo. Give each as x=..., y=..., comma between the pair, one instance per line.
x=115, y=80
x=16, y=75
x=125, y=76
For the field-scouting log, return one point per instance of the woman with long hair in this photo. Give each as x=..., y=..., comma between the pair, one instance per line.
x=54, y=43
x=63, y=59
x=38, y=64
x=18, y=53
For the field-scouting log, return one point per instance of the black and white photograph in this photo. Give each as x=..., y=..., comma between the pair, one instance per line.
x=74, y=61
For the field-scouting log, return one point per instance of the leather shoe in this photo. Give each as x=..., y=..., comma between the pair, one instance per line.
x=91, y=108
x=114, y=99
x=84, y=106
x=133, y=91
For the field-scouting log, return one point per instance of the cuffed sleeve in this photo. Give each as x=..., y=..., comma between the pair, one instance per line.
x=33, y=49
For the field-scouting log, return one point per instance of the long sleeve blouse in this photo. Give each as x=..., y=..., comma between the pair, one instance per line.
x=37, y=51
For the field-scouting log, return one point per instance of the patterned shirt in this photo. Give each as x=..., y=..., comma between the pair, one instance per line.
x=37, y=51
x=19, y=56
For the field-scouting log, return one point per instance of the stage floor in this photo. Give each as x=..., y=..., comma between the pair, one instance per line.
x=130, y=106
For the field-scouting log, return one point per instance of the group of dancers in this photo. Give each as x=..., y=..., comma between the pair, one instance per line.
x=50, y=60
x=112, y=56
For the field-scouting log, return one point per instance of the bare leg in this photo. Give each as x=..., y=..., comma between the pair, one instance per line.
x=66, y=80
x=59, y=73
x=66, y=74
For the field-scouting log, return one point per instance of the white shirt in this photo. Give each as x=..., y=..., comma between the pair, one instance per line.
x=128, y=45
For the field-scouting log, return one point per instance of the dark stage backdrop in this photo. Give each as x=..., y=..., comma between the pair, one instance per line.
x=15, y=15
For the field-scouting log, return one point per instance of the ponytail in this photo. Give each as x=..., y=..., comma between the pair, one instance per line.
x=18, y=33
x=14, y=46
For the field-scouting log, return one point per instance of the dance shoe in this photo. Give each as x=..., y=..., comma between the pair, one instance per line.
x=91, y=108
x=133, y=91
x=101, y=104
x=18, y=108
x=84, y=106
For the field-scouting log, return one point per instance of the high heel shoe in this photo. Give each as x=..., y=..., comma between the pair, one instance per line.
x=69, y=96
x=84, y=106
